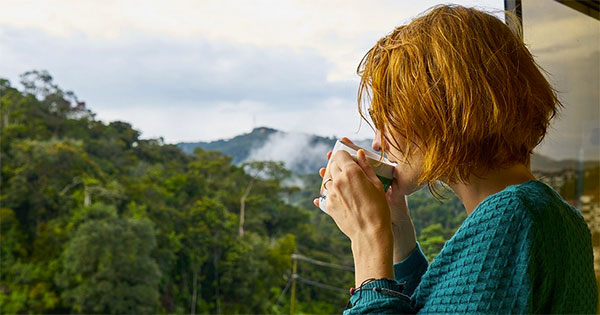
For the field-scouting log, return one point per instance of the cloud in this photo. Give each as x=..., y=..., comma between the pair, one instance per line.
x=189, y=91
x=300, y=152
x=147, y=68
x=204, y=70
x=296, y=150
x=340, y=30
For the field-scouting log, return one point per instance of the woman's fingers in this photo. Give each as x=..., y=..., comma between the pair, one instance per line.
x=345, y=139
x=355, y=204
x=361, y=157
x=341, y=165
x=336, y=168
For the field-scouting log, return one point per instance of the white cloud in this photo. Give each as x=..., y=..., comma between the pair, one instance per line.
x=201, y=70
x=165, y=87
x=340, y=30
x=295, y=150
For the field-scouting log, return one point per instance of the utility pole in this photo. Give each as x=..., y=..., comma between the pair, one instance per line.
x=294, y=276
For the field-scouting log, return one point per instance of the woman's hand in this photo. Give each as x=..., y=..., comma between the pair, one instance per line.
x=357, y=203
x=355, y=199
x=405, y=239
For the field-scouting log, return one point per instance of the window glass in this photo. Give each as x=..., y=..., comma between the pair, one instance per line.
x=566, y=43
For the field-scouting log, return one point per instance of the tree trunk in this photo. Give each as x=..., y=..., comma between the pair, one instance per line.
x=243, y=207
x=87, y=199
x=217, y=293
x=242, y=210
x=5, y=119
x=194, y=292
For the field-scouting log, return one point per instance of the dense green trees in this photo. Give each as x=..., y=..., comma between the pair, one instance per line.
x=107, y=265
x=95, y=219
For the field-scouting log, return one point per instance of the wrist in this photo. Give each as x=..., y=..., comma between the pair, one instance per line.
x=405, y=240
x=373, y=256
x=402, y=253
x=378, y=241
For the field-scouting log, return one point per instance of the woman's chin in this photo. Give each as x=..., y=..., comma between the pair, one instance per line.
x=403, y=188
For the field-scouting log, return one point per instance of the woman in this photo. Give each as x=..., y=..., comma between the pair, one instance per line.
x=457, y=98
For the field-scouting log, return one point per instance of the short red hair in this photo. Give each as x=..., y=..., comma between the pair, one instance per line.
x=459, y=85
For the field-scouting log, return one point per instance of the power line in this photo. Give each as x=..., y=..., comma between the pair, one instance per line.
x=287, y=286
x=321, y=285
x=294, y=276
x=321, y=263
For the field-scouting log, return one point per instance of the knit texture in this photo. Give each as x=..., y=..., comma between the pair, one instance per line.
x=521, y=250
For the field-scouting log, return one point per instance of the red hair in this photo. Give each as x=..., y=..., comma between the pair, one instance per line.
x=460, y=86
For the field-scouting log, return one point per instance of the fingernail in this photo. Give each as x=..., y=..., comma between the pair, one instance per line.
x=361, y=154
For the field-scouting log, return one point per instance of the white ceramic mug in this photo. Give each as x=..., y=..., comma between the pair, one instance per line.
x=384, y=169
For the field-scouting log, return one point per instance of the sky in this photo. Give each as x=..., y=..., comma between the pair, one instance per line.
x=207, y=70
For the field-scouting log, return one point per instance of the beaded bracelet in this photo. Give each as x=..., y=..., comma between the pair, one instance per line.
x=378, y=290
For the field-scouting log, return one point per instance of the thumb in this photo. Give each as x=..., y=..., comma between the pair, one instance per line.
x=361, y=156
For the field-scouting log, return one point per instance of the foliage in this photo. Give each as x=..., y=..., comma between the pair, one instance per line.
x=107, y=267
x=433, y=239
x=95, y=219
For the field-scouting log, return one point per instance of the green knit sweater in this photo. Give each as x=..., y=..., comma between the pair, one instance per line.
x=521, y=250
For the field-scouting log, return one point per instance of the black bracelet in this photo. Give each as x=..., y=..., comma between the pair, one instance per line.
x=392, y=293
x=378, y=290
x=359, y=290
x=367, y=281
x=360, y=287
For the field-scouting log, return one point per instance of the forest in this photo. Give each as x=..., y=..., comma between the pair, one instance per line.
x=95, y=219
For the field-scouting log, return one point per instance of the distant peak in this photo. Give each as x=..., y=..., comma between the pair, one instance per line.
x=263, y=130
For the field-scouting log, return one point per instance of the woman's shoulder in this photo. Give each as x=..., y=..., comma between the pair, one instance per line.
x=530, y=194
x=523, y=217
x=532, y=203
x=533, y=197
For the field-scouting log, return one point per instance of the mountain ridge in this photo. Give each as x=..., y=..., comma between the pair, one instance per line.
x=305, y=153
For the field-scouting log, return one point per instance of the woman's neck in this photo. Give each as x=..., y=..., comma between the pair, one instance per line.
x=474, y=192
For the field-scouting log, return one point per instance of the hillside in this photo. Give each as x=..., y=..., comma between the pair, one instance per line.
x=238, y=147
x=96, y=220
x=301, y=153
x=305, y=153
x=545, y=164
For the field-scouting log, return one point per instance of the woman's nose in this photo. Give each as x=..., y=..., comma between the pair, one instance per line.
x=376, y=144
